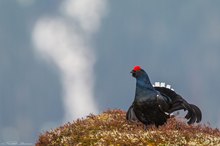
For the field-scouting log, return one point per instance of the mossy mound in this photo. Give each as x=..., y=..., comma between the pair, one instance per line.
x=111, y=128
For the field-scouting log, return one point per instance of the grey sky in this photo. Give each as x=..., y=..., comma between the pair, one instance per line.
x=177, y=42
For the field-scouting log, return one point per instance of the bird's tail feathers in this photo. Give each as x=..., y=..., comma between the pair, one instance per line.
x=162, y=84
x=193, y=115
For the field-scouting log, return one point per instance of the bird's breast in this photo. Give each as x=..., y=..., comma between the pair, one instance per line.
x=145, y=103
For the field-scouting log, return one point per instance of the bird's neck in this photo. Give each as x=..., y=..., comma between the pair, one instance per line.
x=143, y=88
x=144, y=82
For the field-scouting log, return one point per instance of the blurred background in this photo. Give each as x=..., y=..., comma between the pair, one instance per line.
x=61, y=60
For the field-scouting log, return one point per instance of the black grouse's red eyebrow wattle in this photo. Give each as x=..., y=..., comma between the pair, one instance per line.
x=137, y=68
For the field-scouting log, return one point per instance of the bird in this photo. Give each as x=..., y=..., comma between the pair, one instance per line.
x=153, y=105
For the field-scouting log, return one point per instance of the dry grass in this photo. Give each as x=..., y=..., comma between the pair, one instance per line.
x=111, y=128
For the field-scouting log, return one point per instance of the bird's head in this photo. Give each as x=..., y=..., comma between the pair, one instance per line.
x=138, y=72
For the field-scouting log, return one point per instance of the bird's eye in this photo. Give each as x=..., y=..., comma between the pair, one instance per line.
x=134, y=74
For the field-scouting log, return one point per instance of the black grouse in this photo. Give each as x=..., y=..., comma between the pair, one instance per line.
x=153, y=105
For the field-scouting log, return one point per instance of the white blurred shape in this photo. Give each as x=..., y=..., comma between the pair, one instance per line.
x=65, y=43
x=86, y=12
x=57, y=41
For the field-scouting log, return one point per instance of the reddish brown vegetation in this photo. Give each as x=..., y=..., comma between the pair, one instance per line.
x=111, y=128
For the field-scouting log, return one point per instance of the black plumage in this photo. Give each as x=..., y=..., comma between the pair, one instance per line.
x=153, y=105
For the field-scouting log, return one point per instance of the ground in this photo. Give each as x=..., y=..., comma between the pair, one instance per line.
x=111, y=128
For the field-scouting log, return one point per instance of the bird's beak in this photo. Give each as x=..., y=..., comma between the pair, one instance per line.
x=132, y=71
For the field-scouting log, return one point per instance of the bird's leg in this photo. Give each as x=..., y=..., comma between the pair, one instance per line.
x=145, y=127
